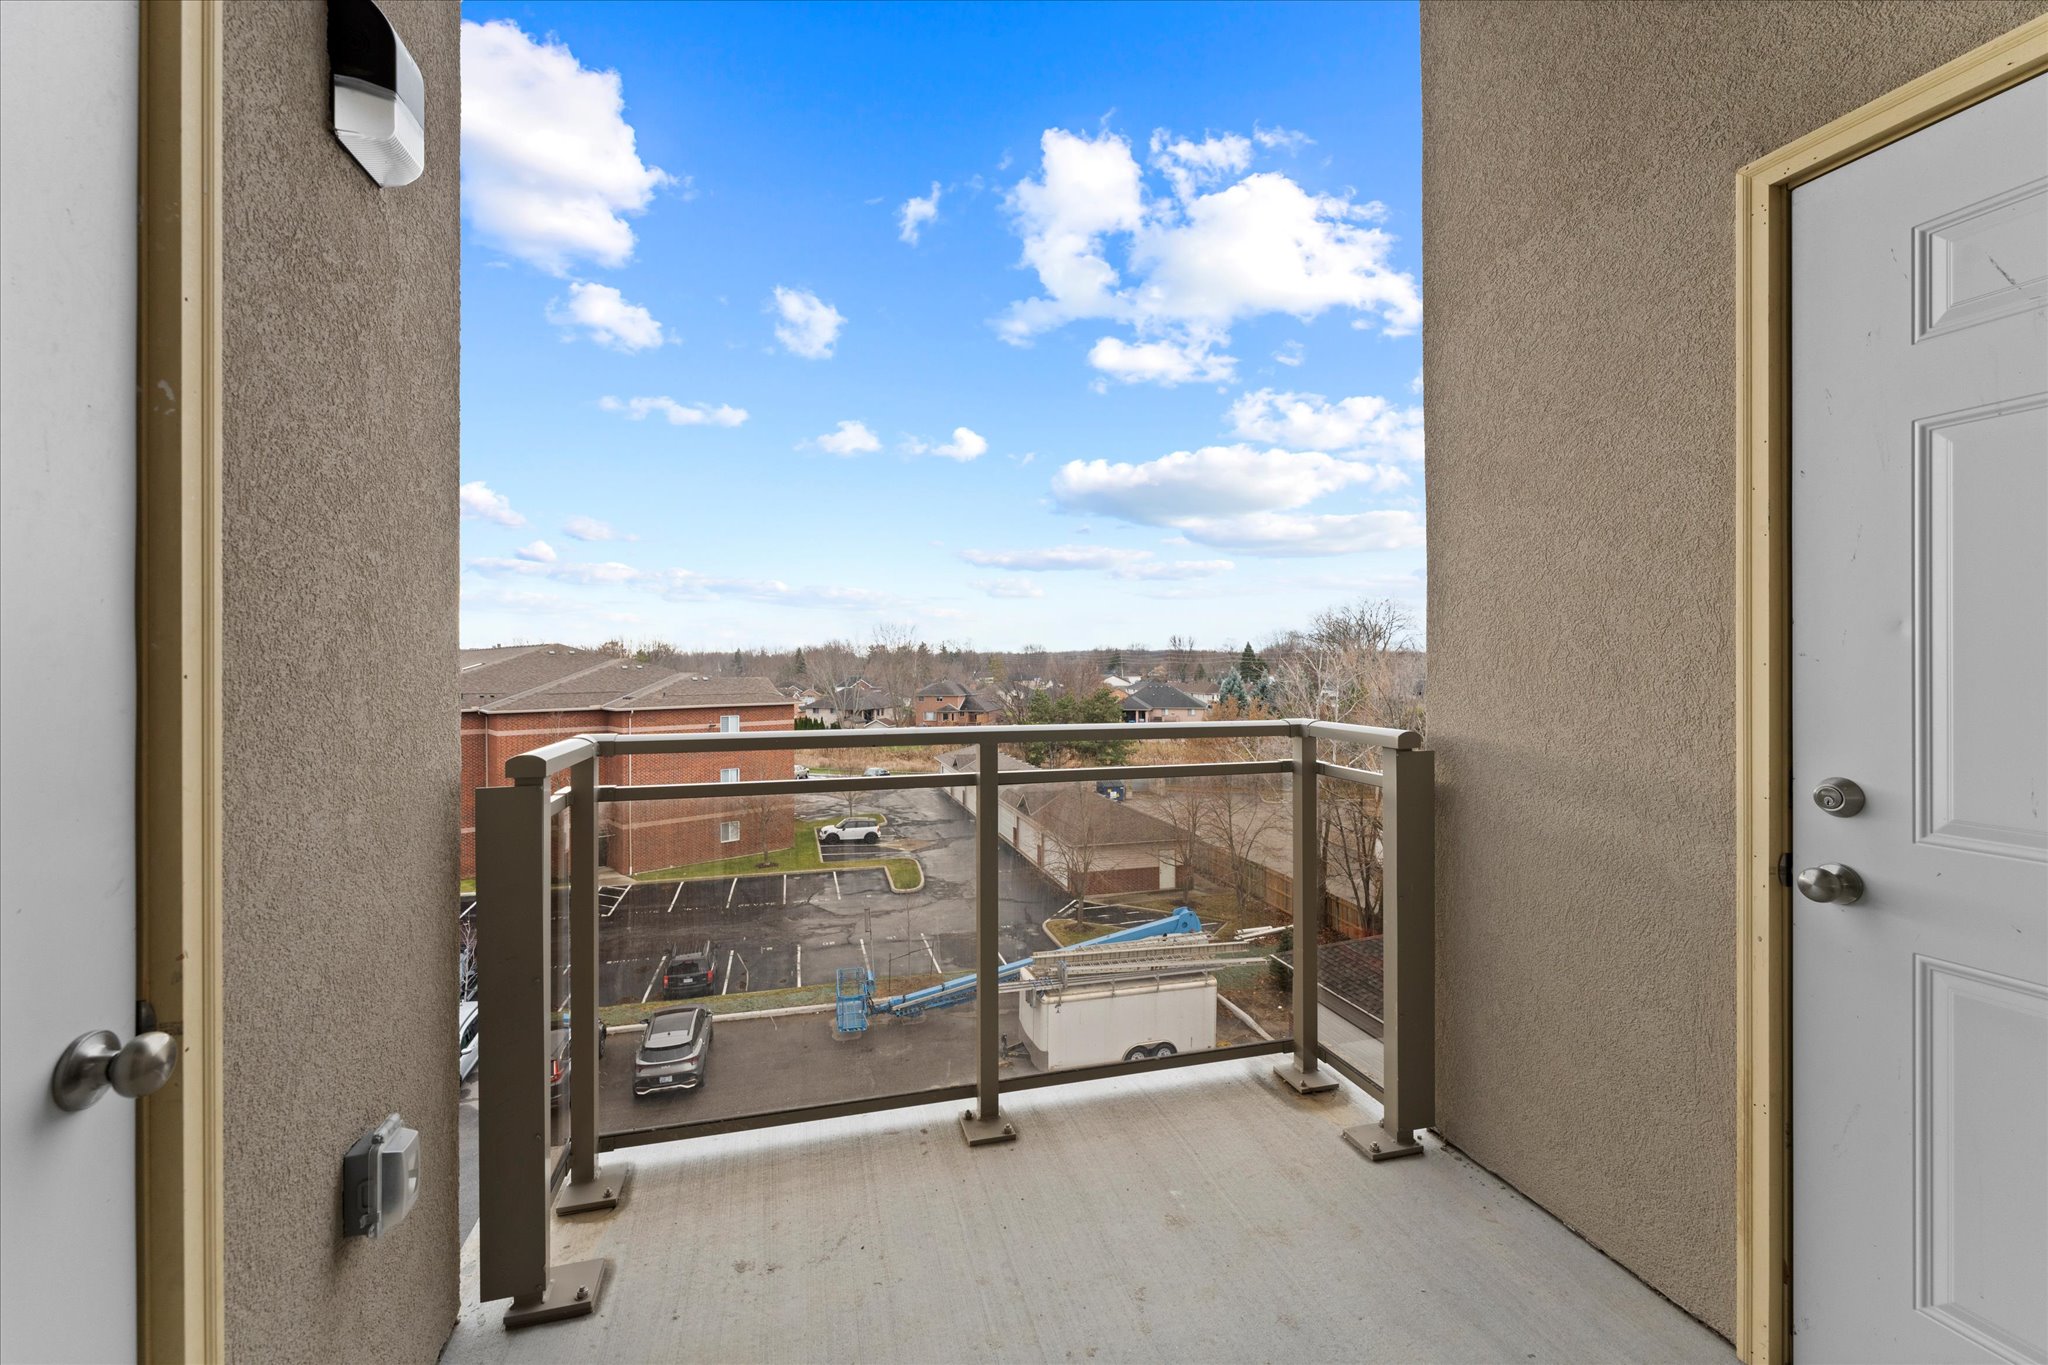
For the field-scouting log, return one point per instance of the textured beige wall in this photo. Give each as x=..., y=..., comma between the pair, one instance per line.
x=1578, y=221
x=340, y=353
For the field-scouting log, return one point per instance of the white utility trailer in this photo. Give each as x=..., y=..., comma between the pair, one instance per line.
x=1084, y=1022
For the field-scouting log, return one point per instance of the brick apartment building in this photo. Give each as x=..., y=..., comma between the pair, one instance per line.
x=515, y=698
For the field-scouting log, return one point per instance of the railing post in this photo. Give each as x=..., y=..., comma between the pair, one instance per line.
x=588, y=1189
x=1306, y=1075
x=514, y=1180
x=1408, y=990
x=984, y=1123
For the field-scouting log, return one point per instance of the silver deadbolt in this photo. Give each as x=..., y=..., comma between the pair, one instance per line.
x=1838, y=796
x=1831, y=883
x=99, y=1061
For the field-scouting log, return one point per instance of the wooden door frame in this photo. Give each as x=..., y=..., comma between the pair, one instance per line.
x=1763, y=692
x=180, y=1290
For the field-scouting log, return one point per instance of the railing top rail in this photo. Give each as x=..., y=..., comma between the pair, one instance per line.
x=1377, y=736
x=894, y=737
x=538, y=765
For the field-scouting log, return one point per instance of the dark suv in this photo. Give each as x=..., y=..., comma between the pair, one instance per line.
x=675, y=1053
x=689, y=974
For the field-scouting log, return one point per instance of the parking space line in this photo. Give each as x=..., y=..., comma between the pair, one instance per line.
x=734, y=892
x=727, y=988
x=934, y=956
x=673, y=899
x=785, y=888
x=648, y=994
x=799, y=965
x=836, y=892
x=864, y=959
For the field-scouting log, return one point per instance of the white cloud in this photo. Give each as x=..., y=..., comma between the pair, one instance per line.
x=1189, y=166
x=549, y=167
x=481, y=504
x=848, y=439
x=915, y=213
x=1279, y=533
x=1286, y=139
x=1223, y=244
x=1291, y=353
x=1214, y=481
x=1118, y=562
x=1308, y=421
x=540, y=552
x=606, y=318
x=590, y=528
x=1015, y=588
x=678, y=414
x=1056, y=557
x=810, y=326
x=966, y=445
x=682, y=585
x=1166, y=363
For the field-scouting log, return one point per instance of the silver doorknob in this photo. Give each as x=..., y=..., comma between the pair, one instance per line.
x=98, y=1061
x=1831, y=883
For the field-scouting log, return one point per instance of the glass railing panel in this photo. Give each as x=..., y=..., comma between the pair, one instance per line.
x=1350, y=964
x=560, y=1073
x=780, y=926
x=1164, y=903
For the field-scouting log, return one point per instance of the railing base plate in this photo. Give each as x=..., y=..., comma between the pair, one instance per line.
x=573, y=1291
x=1315, y=1082
x=1375, y=1143
x=596, y=1195
x=981, y=1132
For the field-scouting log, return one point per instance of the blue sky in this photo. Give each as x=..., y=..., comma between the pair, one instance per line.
x=1146, y=362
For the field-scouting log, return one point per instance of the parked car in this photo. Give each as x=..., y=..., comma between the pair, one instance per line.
x=802, y=771
x=854, y=829
x=465, y=1040
x=676, y=1052
x=1115, y=791
x=690, y=973
x=558, y=1066
x=874, y=772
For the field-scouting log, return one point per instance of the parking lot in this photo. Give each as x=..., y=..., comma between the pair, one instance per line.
x=776, y=931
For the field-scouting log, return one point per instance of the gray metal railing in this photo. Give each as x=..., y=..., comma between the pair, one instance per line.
x=523, y=1177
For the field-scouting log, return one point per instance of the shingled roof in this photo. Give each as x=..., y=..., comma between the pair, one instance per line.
x=561, y=678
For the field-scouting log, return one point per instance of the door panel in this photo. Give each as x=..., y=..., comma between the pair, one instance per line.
x=1920, y=672
x=68, y=121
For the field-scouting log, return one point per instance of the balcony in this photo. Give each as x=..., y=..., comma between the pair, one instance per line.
x=914, y=1173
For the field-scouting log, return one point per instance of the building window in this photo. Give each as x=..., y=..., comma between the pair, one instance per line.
x=930, y=716
x=728, y=774
x=728, y=725
x=728, y=831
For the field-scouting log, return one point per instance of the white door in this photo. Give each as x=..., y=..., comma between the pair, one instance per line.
x=68, y=107
x=1920, y=649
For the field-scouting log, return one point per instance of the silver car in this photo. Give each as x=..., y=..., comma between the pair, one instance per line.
x=675, y=1053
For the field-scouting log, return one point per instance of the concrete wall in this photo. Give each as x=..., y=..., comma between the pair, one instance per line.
x=340, y=373
x=1578, y=215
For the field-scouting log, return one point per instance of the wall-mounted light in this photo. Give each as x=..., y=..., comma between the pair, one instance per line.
x=380, y=102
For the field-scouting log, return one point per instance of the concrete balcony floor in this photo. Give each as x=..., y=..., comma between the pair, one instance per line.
x=1201, y=1214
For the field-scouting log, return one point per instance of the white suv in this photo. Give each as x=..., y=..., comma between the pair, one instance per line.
x=854, y=829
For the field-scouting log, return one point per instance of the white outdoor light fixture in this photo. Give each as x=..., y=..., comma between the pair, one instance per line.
x=380, y=103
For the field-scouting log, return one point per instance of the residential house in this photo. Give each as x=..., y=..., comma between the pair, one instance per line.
x=520, y=697
x=1161, y=701
x=1080, y=837
x=946, y=702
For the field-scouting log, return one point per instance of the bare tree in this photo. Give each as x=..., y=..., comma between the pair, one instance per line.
x=760, y=815
x=1073, y=823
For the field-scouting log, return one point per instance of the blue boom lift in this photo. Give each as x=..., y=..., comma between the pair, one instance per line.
x=856, y=985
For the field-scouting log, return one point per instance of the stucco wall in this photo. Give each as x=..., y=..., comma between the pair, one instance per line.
x=340, y=350
x=1578, y=221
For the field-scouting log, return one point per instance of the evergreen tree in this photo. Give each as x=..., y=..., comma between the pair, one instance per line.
x=797, y=665
x=1250, y=666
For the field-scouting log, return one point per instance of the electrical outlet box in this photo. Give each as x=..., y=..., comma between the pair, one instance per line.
x=380, y=1179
